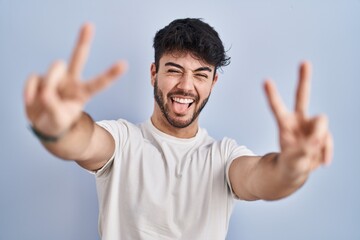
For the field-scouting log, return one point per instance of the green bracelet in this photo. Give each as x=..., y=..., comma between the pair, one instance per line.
x=43, y=137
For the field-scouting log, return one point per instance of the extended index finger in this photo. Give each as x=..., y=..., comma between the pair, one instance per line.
x=81, y=51
x=303, y=89
x=276, y=104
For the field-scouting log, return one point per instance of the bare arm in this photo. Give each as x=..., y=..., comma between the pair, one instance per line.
x=305, y=144
x=254, y=178
x=88, y=144
x=54, y=105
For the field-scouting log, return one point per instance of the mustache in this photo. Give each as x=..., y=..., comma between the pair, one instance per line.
x=183, y=93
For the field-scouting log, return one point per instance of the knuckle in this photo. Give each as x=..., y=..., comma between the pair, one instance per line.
x=32, y=77
x=45, y=96
x=58, y=65
x=323, y=119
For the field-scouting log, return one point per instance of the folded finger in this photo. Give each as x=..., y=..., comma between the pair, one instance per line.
x=50, y=84
x=316, y=161
x=55, y=74
x=31, y=89
x=328, y=149
x=318, y=131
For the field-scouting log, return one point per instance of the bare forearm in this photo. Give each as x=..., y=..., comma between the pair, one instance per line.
x=305, y=144
x=274, y=180
x=73, y=144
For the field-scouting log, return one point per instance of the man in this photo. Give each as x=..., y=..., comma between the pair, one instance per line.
x=167, y=178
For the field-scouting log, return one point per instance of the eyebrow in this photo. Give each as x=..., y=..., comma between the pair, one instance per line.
x=182, y=68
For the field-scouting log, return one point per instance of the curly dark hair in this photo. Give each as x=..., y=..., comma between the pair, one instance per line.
x=191, y=35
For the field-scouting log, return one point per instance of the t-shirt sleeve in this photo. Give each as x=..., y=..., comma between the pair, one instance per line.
x=232, y=151
x=119, y=131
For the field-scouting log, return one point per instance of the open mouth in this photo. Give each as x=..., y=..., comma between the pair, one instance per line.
x=181, y=104
x=187, y=101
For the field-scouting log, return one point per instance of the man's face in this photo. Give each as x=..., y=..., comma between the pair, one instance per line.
x=182, y=87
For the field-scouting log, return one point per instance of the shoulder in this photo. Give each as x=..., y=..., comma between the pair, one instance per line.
x=121, y=130
x=119, y=125
x=230, y=149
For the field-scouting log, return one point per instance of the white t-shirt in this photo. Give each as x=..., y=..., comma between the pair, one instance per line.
x=157, y=186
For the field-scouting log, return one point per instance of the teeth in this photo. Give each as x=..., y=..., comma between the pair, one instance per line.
x=183, y=100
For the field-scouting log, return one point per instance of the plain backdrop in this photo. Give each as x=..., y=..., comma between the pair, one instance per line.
x=42, y=197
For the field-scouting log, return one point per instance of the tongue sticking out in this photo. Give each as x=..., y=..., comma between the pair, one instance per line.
x=180, y=108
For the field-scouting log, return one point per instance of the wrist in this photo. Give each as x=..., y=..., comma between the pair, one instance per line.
x=44, y=137
x=292, y=169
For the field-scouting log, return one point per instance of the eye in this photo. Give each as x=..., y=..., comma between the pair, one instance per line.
x=173, y=71
x=203, y=76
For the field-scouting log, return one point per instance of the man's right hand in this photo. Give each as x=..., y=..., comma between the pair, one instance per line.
x=55, y=101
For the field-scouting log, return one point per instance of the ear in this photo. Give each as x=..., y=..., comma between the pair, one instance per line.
x=153, y=73
x=214, y=81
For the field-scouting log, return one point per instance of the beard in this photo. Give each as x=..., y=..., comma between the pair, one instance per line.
x=173, y=121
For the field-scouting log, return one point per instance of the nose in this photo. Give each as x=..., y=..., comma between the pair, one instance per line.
x=186, y=82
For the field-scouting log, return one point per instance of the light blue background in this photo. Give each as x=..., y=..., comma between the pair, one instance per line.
x=46, y=198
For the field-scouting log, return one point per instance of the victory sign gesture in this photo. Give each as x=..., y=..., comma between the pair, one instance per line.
x=305, y=142
x=55, y=101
